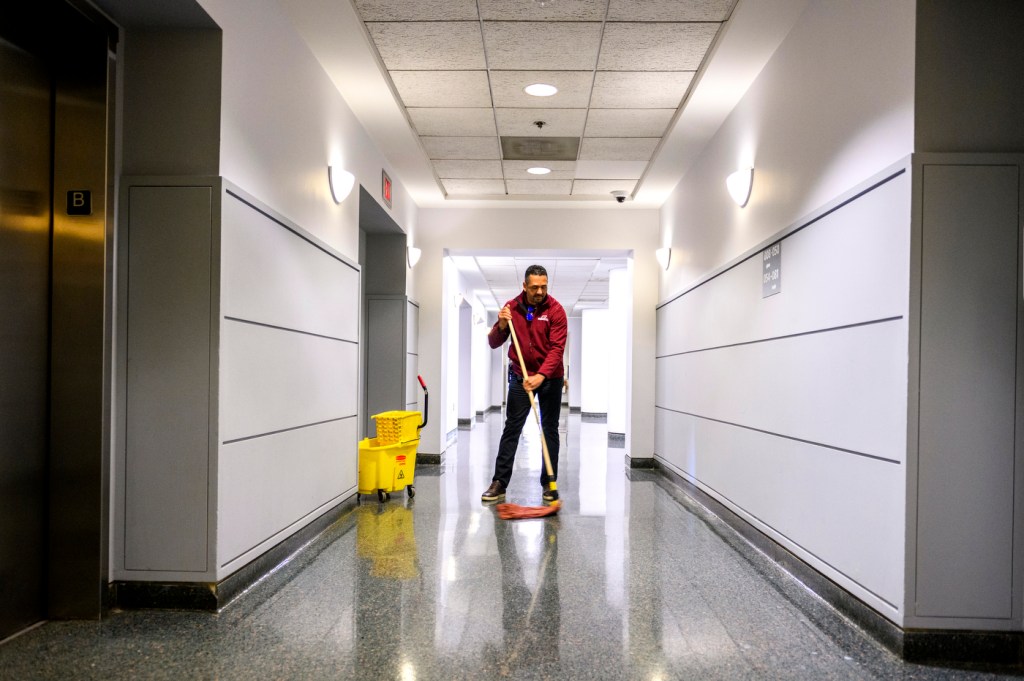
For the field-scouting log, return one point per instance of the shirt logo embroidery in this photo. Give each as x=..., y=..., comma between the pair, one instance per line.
x=543, y=318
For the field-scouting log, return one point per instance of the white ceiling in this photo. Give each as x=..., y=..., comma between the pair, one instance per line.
x=579, y=281
x=435, y=168
x=623, y=69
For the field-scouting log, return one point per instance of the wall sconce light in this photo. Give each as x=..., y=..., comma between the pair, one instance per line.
x=341, y=182
x=739, y=185
x=412, y=256
x=664, y=256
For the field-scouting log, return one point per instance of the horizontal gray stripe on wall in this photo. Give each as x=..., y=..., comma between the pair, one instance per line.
x=285, y=430
x=703, y=485
x=285, y=328
x=784, y=337
x=781, y=435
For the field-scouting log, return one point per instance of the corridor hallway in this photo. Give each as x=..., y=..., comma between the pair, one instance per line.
x=631, y=580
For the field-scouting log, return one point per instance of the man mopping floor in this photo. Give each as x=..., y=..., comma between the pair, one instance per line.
x=541, y=328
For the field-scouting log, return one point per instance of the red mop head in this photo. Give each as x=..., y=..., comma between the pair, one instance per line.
x=516, y=512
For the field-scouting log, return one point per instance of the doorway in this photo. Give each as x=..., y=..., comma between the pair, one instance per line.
x=390, y=319
x=54, y=74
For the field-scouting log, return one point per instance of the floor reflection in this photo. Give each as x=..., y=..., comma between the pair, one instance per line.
x=629, y=581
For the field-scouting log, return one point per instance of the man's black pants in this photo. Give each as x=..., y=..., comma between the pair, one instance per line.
x=517, y=409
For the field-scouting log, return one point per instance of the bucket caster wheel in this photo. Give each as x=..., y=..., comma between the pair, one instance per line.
x=411, y=491
x=382, y=496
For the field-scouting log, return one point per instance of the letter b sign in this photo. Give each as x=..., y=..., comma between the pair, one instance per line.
x=79, y=202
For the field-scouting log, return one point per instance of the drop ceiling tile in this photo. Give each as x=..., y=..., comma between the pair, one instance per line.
x=560, y=170
x=472, y=170
x=602, y=188
x=429, y=46
x=573, y=89
x=531, y=10
x=655, y=47
x=442, y=88
x=453, y=122
x=474, y=187
x=421, y=10
x=514, y=46
x=488, y=261
x=476, y=148
x=618, y=149
x=557, y=122
x=640, y=89
x=669, y=10
x=610, y=170
x=540, y=187
x=628, y=122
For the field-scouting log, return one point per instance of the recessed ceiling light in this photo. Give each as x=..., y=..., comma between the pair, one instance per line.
x=538, y=171
x=540, y=90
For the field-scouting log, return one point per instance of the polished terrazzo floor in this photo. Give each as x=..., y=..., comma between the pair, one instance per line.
x=631, y=580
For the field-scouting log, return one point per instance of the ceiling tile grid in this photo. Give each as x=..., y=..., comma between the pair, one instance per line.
x=623, y=69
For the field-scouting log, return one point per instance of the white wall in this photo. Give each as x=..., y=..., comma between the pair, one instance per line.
x=791, y=409
x=833, y=106
x=575, y=361
x=617, y=228
x=616, y=341
x=595, y=379
x=283, y=121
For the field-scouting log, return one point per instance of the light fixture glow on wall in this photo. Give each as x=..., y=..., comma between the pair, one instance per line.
x=540, y=90
x=739, y=185
x=412, y=255
x=664, y=256
x=341, y=182
x=538, y=170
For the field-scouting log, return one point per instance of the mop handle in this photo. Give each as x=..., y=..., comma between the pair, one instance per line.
x=533, y=404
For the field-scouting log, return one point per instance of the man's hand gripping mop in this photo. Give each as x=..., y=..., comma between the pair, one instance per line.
x=514, y=511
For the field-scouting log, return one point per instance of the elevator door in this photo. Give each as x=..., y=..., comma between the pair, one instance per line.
x=55, y=64
x=25, y=157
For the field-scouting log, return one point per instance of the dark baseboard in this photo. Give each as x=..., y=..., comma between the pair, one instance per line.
x=635, y=462
x=428, y=459
x=913, y=645
x=213, y=596
x=616, y=440
x=592, y=417
x=465, y=424
x=575, y=410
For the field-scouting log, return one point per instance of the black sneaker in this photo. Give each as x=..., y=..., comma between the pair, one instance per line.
x=550, y=494
x=495, y=492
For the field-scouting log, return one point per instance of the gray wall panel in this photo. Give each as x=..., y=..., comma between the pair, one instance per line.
x=846, y=268
x=273, y=276
x=967, y=393
x=168, y=378
x=840, y=512
x=268, y=484
x=792, y=408
x=273, y=379
x=844, y=388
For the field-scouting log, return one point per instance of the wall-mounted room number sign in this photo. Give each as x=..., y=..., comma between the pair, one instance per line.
x=771, y=270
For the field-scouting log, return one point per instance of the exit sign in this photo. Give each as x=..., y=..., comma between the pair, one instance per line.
x=385, y=188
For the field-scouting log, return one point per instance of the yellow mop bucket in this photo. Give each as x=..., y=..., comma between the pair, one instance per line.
x=383, y=468
x=388, y=462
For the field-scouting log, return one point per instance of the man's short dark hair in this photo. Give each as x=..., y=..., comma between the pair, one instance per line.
x=535, y=270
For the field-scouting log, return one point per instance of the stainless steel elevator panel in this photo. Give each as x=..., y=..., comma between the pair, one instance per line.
x=78, y=508
x=54, y=74
x=24, y=334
